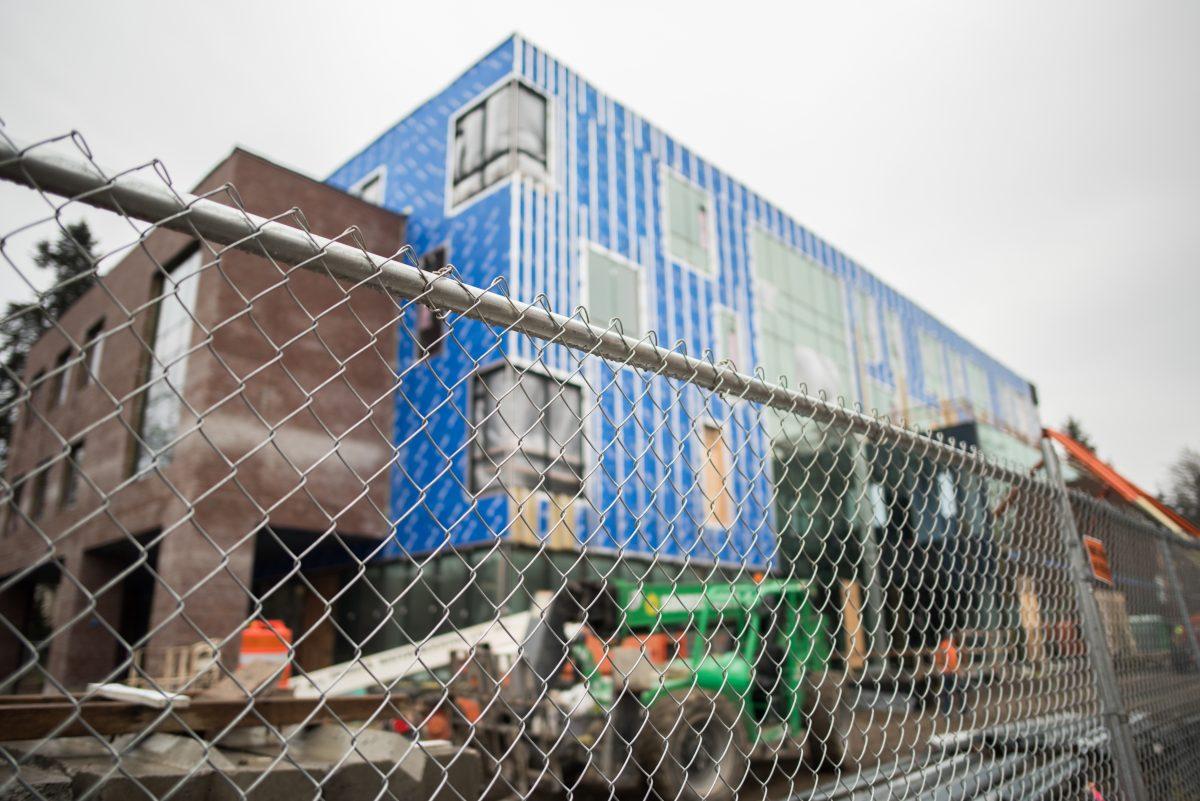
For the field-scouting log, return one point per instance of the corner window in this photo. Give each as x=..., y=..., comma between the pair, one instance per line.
x=93, y=346
x=371, y=187
x=613, y=292
x=527, y=431
x=715, y=478
x=72, y=476
x=689, y=215
x=504, y=133
x=1020, y=412
x=170, y=344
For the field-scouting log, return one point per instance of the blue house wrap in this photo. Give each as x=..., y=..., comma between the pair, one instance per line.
x=555, y=192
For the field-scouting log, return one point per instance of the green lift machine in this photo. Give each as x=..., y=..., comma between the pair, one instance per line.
x=750, y=680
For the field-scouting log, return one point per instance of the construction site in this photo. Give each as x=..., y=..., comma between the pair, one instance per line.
x=528, y=455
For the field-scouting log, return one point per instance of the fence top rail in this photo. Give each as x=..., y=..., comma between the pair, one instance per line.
x=157, y=202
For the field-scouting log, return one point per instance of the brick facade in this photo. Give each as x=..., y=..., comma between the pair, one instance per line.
x=287, y=424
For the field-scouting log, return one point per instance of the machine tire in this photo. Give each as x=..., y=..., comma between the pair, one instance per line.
x=694, y=748
x=830, y=724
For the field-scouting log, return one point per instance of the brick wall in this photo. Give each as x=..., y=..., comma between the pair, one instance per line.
x=285, y=356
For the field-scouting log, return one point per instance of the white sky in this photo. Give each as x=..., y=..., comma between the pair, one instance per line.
x=1027, y=171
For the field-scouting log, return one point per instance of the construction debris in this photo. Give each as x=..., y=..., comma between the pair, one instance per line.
x=332, y=761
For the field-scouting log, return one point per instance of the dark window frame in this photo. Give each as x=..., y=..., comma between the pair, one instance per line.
x=513, y=151
x=93, y=350
x=377, y=176
x=41, y=485
x=37, y=387
x=149, y=338
x=430, y=329
x=553, y=467
x=59, y=384
x=16, y=498
x=72, y=474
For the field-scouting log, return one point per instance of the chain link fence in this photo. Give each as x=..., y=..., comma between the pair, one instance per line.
x=304, y=514
x=1151, y=636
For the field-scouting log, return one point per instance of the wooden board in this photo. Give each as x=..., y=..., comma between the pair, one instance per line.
x=25, y=719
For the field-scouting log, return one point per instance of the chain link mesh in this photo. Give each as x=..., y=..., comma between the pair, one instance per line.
x=1151, y=636
x=284, y=515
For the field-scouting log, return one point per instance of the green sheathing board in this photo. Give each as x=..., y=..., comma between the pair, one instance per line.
x=613, y=292
x=689, y=213
x=802, y=311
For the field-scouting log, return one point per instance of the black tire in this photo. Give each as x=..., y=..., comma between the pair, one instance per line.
x=694, y=748
x=830, y=725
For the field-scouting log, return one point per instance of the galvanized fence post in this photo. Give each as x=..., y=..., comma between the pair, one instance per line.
x=1177, y=590
x=1112, y=708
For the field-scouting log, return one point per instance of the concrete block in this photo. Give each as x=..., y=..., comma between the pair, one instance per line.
x=374, y=759
x=58, y=747
x=332, y=743
x=175, y=750
x=456, y=770
x=261, y=778
x=34, y=782
x=137, y=778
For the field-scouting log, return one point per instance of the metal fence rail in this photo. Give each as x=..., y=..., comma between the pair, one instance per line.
x=285, y=515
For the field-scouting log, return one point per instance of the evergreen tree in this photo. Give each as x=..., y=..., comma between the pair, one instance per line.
x=1074, y=429
x=71, y=260
x=1184, y=494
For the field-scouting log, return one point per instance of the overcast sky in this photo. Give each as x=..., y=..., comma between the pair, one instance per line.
x=1027, y=171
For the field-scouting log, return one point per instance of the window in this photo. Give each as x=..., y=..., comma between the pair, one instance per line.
x=878, y=503
x=933, y=367
x=947, y=496
x=1021, y=416
x=36, y=387
x=93, y=345
x=879, y=398
x=162, y=401
x=37, y=500
x=14, y=503
x=896, y=347
x=727, y=338
x=431, y=324
x=689, y=216
x=504, y=133
x=72, y=476
x=978, y=390
x=803, y=315
x=715, y=478
x=372, y=187
x=866, y=327
x=527, y=432
x=613, y=292
x=58, y=383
